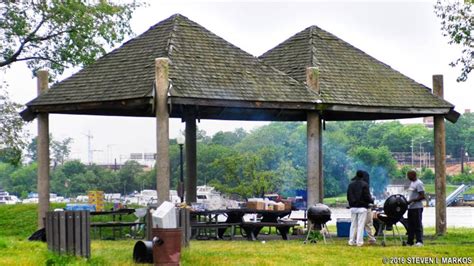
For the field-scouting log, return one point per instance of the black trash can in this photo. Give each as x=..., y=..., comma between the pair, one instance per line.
x=143, y=252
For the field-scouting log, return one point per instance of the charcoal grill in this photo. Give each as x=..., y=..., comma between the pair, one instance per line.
x=394, y=208
x=318, y=215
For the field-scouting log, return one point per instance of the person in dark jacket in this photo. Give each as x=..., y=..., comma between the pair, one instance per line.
x=359, y=198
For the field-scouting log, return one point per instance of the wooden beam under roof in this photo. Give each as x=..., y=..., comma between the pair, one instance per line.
x=239, y=110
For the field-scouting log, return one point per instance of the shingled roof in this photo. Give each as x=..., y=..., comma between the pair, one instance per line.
x=220, y=81
x=348, y=76
x=203, y=66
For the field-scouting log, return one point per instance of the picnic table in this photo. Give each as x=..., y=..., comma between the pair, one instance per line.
x=235, y=217
x=116, y=224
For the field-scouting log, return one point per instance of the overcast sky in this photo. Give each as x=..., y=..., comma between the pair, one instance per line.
x=403, y=34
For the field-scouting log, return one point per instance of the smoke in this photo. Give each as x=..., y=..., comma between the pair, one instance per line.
x=379, y=177
x=282, y=149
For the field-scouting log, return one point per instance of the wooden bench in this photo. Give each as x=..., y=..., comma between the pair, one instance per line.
x=252, y=229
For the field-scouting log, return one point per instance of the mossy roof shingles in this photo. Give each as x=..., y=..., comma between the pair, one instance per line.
x=348, y=76
x=206, y=67
x=203, y=65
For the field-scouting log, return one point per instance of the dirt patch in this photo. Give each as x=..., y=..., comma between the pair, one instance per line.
x=456, y=168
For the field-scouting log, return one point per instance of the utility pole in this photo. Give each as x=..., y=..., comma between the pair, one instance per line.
x=89, y=147
x=429, y=159
x=412, y=153
x=108, y=157
x=420, y=157
x=462, y=160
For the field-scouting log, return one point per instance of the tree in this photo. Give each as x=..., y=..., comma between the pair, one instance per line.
x=207, y=170
x=292, y=178
x=32, y=149
x=58, y=149
x=457, y=23
x=128, y=175
x=378, y=162
x=201, y=136
x=274, y=134
x=55, y=35
x=229, y=138
x=65, y=178
x=12, y=135
x=22, y=180
x=460, y=136
x=61, y=34
x=357, y=130
x=5, y=171
x=427, y=175
x=245, y=175
x=336, y=164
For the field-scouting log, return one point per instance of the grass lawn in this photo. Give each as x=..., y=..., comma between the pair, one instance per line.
x=430, y=189
x=336, y=200
x=17, y=223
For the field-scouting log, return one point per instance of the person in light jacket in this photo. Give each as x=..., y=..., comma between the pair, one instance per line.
x=369, y=222
x=359, y=198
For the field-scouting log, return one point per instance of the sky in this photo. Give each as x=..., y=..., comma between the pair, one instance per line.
x=403, y=34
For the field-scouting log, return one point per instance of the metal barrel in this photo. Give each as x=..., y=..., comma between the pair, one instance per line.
x=167, y=252
x=143, y=252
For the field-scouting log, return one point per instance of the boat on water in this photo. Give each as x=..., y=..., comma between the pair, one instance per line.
x=210, y=198
x=6, y=198
x=206, y=196
x=149, y=197
x=33, y=198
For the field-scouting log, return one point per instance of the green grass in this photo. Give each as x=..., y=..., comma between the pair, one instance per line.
x=18, y=222
x=457, y=243
x=336, y=200
x=296, y=253
x=430, y=188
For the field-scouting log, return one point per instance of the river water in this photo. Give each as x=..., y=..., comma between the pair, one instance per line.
x=455, y=216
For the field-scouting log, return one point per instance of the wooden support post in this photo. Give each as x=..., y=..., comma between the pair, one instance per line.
x=43, y=152
x=314, y=168
x=315, y=182
x=162, y=130
x=185, y=225
x=190, y=146
x=320, y=165
x=440, y=160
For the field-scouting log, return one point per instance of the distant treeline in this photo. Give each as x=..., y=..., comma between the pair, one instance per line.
x=271, y=158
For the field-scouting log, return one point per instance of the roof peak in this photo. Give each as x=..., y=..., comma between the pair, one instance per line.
x=313, y=27
x=348, y=74
x=178, y=16
x=174, y=18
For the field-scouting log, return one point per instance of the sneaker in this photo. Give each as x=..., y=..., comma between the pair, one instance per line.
x=372, y=241
x=360, y=244
x=351, y=243
x=418, y=244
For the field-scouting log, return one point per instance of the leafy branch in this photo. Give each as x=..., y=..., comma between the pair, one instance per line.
x=61, y=34
x=457, y=23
